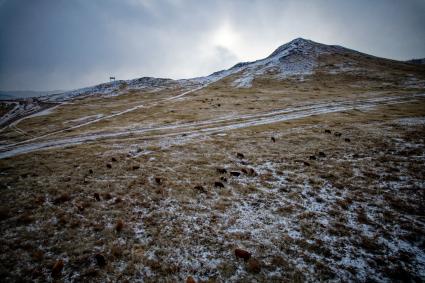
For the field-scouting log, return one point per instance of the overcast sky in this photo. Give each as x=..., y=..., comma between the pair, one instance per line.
x=66, y=44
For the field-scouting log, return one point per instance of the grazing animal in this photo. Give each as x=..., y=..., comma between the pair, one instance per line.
x=347, y=140
x=96, y=196
x=235, y=173
x=224, y=179
x=109, y=166
x=249, y=171
x=306, y=163
x=322, y=154
x=355, y=155
x=312, y=157
x=119, y=226
x=337, y=134
x=62, y=198
x=57, y=268
x=100, y=259
x=90, y=171
x=242, y=254
x=113, y=159
x=328, y=132
x=135, y=167
x=221, y=170
x=200, y=189
x=158, y=180
x=107, y=196
x=254, y=265
x=273, y=139
x=240, y=155
x=218, y=185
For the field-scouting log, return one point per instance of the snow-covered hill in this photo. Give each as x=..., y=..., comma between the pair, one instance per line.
x=116, y=88
x=297, y=58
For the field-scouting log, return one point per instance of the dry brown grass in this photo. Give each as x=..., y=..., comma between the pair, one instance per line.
x=66, y=204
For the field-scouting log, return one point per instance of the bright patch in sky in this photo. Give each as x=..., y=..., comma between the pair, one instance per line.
x=227, y=37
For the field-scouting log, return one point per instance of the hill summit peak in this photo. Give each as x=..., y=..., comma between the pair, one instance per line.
x=295, y=44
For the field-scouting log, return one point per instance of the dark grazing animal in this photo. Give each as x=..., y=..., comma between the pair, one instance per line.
x=235, y=173
x=242, y=254
x=200, y=189
x=100, y=259
x=218, y=185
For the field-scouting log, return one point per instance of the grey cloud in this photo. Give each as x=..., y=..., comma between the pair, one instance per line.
x=62, y=44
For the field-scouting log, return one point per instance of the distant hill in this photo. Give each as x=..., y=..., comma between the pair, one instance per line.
x=15, y=94
x=416, y=61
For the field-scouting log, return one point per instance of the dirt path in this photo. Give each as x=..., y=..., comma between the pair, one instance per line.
x=15, y=119
x=210, y=126
x=176, y=97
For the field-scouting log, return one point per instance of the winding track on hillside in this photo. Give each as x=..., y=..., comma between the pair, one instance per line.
x=14, y=124
x=209, y=126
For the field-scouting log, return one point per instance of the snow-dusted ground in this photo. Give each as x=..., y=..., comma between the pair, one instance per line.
x=205, y=127
x=342, y=218
x=411, y=121
x=339, y=216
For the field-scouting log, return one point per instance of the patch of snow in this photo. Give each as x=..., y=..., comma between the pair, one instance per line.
x=244, y=81
x=416, y=121
x=85, y=118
